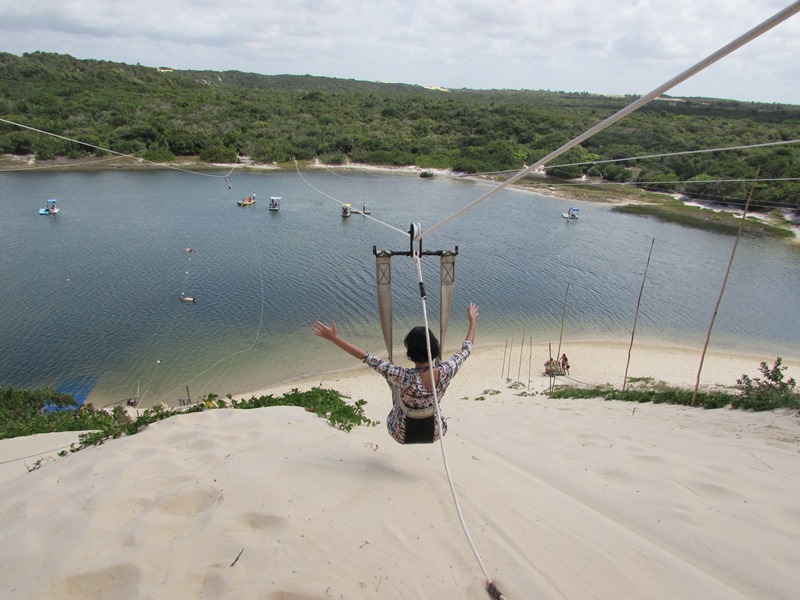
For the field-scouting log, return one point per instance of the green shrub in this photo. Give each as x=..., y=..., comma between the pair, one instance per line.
x=770, y=392
x=25, y=412
x=756, y=394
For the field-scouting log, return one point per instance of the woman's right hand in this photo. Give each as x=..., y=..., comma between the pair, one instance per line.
x=472, y=312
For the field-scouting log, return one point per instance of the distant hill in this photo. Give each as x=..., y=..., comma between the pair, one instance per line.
x=160, y=114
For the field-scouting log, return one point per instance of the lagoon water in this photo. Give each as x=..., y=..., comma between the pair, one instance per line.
x=91, y=294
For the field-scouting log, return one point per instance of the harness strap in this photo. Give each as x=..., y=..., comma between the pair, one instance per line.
x=416, y=413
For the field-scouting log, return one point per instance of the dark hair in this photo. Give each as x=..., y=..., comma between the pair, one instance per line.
x=416, y=348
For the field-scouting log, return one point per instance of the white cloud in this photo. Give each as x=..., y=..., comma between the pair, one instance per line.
x=605, y=46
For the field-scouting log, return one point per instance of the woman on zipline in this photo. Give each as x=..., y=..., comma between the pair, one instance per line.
x=412, y=420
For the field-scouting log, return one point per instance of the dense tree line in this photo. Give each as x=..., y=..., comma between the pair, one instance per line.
x=161, y=114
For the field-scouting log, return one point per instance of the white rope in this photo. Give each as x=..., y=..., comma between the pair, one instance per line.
x=682, y=181
x=152, y=376
x=688, y=182
x=164, y=165
x=632, y=158
x=709, y=60
x=39, y=454
x=258, y=330
x=186, y=278
x=418, y=264
x=45, y=167
x=680, y=153
x=340, y=203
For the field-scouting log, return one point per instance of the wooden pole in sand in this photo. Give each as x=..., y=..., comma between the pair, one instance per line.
x=563, y=313
x=530, y=358
x=503, y=368
x=722, y=290
x=636, y=318
x=522, y=347
x=510, y=351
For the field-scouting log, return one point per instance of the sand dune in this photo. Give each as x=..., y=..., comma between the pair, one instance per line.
x=564, y=499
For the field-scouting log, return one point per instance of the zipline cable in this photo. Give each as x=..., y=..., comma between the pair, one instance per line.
x=664, y=155
x=756, y=31
x=45, y=167
x=340, y=203
x=687, y=182
x=489, y=583
x=679, y=153
x=158, y=164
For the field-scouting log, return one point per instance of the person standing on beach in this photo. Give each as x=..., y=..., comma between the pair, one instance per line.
x=412, y=420
x=565, y=364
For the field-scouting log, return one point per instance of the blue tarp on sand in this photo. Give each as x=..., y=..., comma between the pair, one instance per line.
x=78, y=386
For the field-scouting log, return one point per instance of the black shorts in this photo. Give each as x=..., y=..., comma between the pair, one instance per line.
x=420, y=431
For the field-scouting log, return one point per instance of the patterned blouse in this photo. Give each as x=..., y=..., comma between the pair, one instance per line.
x=413, y=393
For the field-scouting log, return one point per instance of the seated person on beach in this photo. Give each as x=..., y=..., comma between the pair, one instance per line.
x=412, y=420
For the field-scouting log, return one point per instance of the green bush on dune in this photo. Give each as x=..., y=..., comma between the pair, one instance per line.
x=755, y=394
x=41, y=410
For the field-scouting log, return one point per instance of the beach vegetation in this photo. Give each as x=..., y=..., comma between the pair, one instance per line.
x=673, y=211
x=41, y=410
x=326, y=403
x=768, y=392
x=664, y=395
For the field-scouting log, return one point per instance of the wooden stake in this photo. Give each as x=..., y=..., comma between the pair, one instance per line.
x=636, y=318
x=522, y=347
x=563, y=313
x=722, y=290
x=530, y=357
x=510, y=351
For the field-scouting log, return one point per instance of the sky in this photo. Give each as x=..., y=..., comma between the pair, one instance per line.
x=595, y=46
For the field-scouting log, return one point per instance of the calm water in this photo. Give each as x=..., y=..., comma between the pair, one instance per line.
x=92, y=292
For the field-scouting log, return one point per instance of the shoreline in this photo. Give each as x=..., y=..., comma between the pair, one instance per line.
x=26, y=164
x=752, y=370
x=662, y=362
x=549, y=188
x=564, y=498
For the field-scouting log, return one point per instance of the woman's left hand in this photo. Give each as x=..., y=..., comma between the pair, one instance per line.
x=320, y=329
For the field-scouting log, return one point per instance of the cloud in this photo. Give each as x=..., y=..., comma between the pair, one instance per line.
x=605, y=46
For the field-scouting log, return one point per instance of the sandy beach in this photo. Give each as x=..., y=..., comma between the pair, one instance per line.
x=563, y=499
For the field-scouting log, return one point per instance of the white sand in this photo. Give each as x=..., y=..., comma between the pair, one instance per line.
x=564, y=499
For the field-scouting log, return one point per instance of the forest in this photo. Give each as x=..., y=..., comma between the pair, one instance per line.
x=161, y=114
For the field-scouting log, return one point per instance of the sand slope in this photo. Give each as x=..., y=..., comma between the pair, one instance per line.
x=563, y=499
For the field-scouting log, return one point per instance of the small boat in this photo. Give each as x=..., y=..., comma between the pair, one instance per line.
x=249, y=201
x=187, y=299
x=347, y=210
x=50, y=209
x=572, y=213
x=275, y=203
